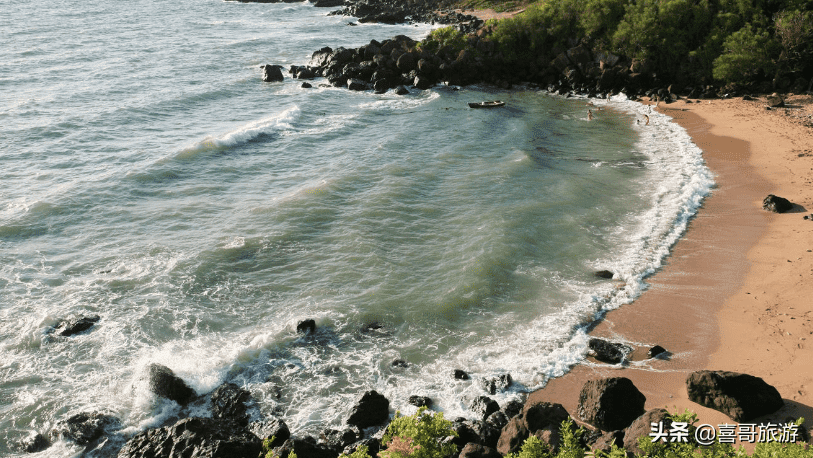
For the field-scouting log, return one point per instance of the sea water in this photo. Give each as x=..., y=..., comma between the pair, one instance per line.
x=150, y=177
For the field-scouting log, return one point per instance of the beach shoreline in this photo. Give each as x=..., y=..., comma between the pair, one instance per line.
x=723, y=288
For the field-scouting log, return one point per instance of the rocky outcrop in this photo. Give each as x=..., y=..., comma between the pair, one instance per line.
x=75, y=325
x=608, y=352
x=610, y=403
x=483, y=406
x=34, y=443
x=420, y=401
x=306, y=326
x=605, y=441
x=642, y=426
x=776, y=204
x=460, y=374
x=271, y=428
x=496, y=385
x=338, y=440
x=305, y=447
x=476, y=432
x=533, y=419
x=86, y=427
x=742, y=397
x=472, y=450
x=200, y=437
x=371, y=410
x=272, y=73
x=164, y=383
x=656, y=351
x=229, y=401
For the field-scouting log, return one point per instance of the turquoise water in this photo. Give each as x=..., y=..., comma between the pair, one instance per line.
x=151, y=178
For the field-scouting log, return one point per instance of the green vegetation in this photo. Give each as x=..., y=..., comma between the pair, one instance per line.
x=414, y=436
x=445, y=37
x=698, y=41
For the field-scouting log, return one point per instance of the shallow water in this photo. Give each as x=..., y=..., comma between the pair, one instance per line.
x=151, y=178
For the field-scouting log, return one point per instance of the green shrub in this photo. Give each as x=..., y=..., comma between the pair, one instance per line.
x=444, y=36
x=748, y=54
x=424, y=432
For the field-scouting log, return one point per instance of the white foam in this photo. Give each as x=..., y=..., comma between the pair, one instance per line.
x=269, y=125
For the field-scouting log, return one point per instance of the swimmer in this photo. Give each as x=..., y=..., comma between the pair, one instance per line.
x=589, y=115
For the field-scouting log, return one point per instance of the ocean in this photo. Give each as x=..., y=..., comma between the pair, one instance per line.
x=151, y=178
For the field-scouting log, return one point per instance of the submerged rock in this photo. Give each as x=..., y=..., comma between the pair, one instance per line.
x=164, y=383
x=371, y=410
x=306, y=326
x=194, y=437
x=85, y=427
x=34, y=443
x=73, y=326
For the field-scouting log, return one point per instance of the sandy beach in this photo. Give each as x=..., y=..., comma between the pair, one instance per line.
x=735, y=294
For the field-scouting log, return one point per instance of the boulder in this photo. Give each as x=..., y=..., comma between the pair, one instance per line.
x=401, y=90
x=304, y=73
x=371, y=410
x=742, y=397
x=321, y=58
x=327, y=3
x=34, y=443
x=306, y=85
x=775, y=100
x=268, y=428
x=164, y=383
x=85, y=427
x=400, y=363
x=604, y=274
x=338, y=440
x=608, y=352
x=67, y=328
x=194, y=437
x=460, y=374
x=776, y=204
x=472, y=450
x=355, y=84
x=306, y=447
x=533, y=419
x=229, y=401
x=512, y=436
x=497, y=420
x=272, y=73
x=496, y=385
x=373, y=446
x=422, y=82
x=306, y=326
x=420, y=401
x=642, y=426
x=655, y=351
x=512, y=408
x=406, y=63
x=475, y=431
x=484, y=406
x=605, y=441
x=610, y=403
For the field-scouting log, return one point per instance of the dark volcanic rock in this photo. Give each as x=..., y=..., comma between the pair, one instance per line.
x=268, y=428
x=776, y=204
x=420, y=401
x=306, y=447
x=742, y=397
x=610, y=403
x=67, y=328
x=512, y=408
x=338, y=440
x=373, y=446
x=641, y=427
x=472, y=450
x=371, y=410
x=606, y=440
x=533, y=419
x=194, y=437
x=401, y=90
x=229, y=401
x=460, y=374
x=604, y=274
x=84, y=428
x=496, y=385
x=272, y=73
x=655, y=351
x=165, y=383
x=34, y=443
x=484, y=406
x=306, y=326
x=400, y=363
x=497, y=420
x=608, y=352
x=476, y=432
x=327, y=3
